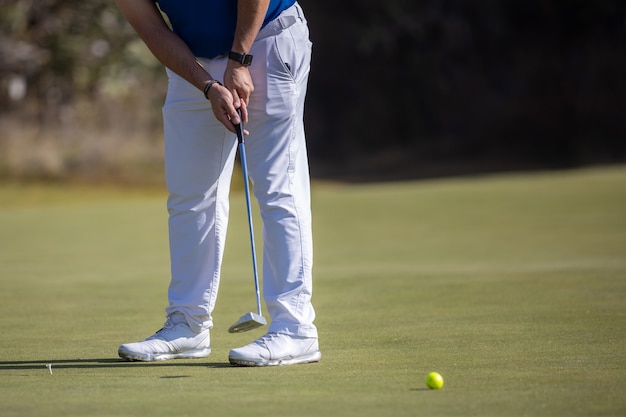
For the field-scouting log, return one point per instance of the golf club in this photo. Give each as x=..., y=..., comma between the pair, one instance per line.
x=248, y=321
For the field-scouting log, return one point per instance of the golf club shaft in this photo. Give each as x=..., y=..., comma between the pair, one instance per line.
x=244, y=167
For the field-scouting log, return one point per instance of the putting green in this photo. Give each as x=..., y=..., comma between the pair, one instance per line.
x=513, y=287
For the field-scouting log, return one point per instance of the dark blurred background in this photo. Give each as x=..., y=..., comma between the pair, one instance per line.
x=399, y=89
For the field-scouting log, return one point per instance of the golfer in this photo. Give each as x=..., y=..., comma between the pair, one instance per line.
x=220, y=56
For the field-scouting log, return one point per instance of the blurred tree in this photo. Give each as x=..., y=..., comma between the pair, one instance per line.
x=64, y=51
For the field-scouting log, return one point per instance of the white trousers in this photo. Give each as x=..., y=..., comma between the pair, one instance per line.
x=199, y=160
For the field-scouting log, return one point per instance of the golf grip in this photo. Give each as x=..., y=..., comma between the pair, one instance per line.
x=244, y=168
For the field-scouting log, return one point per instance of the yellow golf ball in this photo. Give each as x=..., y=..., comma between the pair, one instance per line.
x=434, y=380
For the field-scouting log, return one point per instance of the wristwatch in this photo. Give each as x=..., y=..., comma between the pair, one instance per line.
x=244, y=59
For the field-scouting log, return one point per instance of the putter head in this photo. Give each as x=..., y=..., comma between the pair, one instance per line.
x=248, y=321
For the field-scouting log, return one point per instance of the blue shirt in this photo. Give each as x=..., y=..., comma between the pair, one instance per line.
x=208, y=26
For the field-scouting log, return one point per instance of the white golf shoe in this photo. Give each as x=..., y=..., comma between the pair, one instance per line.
x=276, y=349
x=174, y=341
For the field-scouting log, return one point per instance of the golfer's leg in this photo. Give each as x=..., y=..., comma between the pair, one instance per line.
x=199, y=157
x=278, y=165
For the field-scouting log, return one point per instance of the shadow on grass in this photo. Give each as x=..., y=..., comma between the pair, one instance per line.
x=103, y=363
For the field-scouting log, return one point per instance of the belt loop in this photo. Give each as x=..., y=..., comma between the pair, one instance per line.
x=299, y=11
x=286, y=21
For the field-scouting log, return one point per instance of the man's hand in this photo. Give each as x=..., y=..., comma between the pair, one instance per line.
x=238, y=81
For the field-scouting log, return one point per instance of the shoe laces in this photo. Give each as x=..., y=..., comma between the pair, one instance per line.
x=169, y=325
x=267, y=338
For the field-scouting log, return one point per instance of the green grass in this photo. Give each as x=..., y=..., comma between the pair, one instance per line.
x=513, y=287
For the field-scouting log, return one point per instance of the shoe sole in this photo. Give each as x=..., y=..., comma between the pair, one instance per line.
x=151, y=357
x=309, y=358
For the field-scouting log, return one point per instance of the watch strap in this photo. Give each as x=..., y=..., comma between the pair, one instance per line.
x=244, y=59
